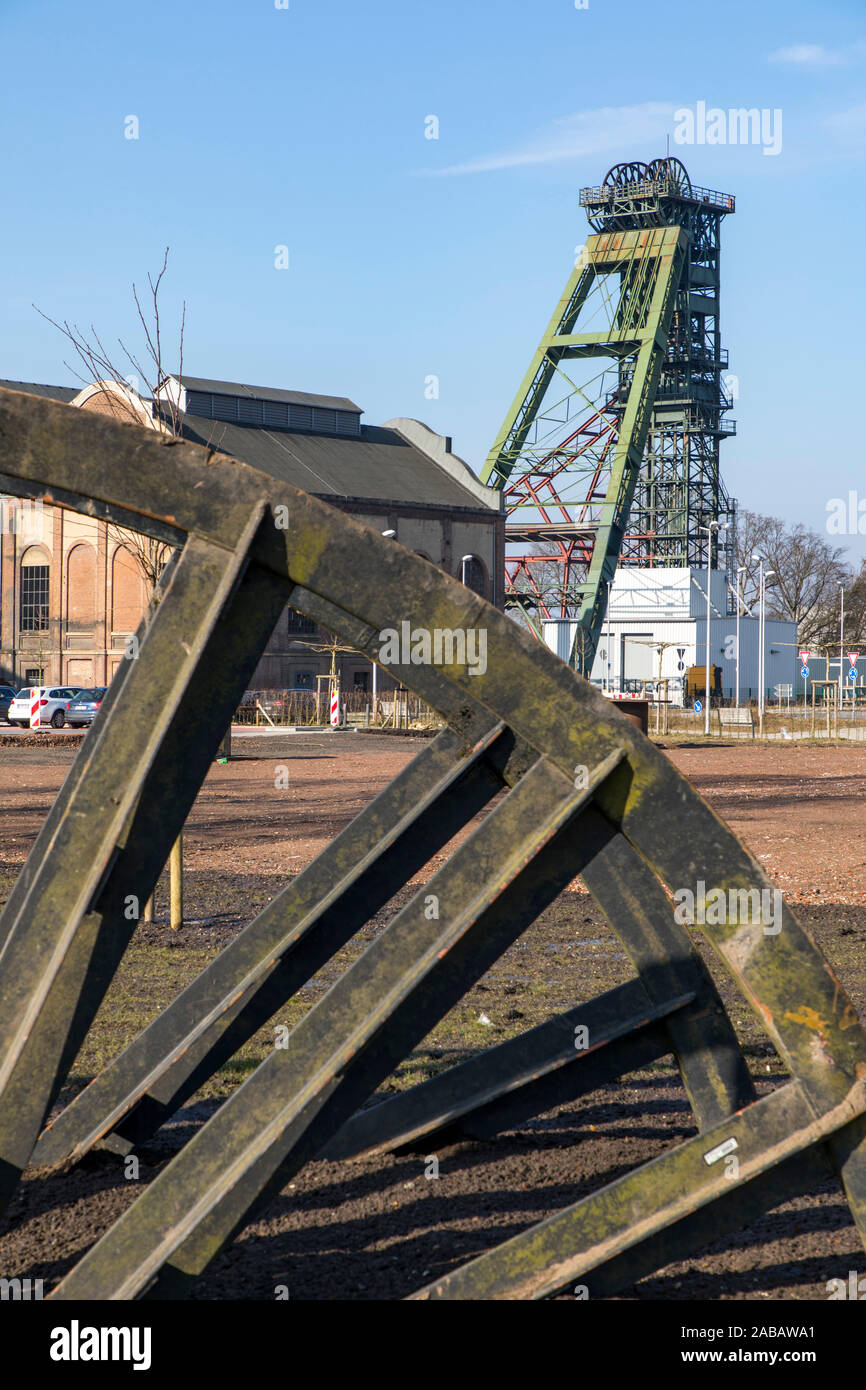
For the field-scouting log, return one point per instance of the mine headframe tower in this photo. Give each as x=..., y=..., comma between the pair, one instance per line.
x=617, y=462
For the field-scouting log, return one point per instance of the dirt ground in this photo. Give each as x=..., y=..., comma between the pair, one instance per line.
x=380, y=1228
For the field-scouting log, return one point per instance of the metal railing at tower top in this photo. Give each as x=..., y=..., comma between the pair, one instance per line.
x=656, y=188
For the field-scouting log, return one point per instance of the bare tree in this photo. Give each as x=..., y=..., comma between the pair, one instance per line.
x=128, y=402
x=804, y=587
x=855, y=610
x=150, y=556
x=100, y=365
x=753, y=532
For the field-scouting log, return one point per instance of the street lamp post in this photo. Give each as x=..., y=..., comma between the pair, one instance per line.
x=740, y=571
x=713, y=526
x=609, y=685
x=766, y=575
x=464, y=561
x=762, y=628
x=760, y=560
x=841, y=643
x=389, y=535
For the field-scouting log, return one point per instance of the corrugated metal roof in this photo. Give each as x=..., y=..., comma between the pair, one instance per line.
x=265, y=393
x=35, y=388
x=379, y=465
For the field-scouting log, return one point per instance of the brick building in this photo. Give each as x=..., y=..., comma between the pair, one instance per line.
x=73, y=588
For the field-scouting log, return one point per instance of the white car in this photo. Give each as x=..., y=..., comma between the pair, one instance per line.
x=53, y=700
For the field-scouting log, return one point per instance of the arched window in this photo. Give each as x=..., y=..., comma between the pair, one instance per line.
x=34, y=590
x=473, y=574
x=128, y=597
x=81, y=588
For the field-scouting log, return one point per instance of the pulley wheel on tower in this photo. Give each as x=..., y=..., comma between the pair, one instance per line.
x=622, y=174
x=672, y=172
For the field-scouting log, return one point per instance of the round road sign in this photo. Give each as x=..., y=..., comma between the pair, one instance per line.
x=698, y=706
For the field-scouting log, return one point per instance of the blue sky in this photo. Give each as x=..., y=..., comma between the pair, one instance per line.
x=412, y=257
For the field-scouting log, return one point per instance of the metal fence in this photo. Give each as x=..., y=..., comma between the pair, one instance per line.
x=780, y=721
x=393, y=709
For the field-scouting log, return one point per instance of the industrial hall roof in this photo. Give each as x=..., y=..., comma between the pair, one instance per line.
x=379, y=464
x=264, y=393
x=35, y=388
x=402, y=462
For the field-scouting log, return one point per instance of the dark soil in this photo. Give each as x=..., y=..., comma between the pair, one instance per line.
x=381, y=1227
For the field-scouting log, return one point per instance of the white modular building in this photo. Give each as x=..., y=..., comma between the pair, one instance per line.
x=656, y=626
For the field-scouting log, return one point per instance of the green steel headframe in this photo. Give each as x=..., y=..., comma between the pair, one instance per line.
x=570, y=449
x=584, y=793
x=680, y=489
x=570, y=500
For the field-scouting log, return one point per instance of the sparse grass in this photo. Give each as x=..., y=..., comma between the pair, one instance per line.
x=526, y=986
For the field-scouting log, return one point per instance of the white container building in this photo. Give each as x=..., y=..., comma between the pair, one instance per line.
x=653, y=608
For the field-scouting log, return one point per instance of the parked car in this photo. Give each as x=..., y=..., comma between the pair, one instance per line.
x=7, y=695
x=53, y=700
x=271, y=701
x=82, y=710
x=280, y=706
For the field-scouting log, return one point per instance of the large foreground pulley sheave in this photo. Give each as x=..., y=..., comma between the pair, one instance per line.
x=586, y=794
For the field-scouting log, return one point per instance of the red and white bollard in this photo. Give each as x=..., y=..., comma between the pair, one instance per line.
x=35, y=707
x=335, y=708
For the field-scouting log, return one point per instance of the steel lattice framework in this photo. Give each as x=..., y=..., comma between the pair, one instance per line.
x=589, y=480
x=584, y=793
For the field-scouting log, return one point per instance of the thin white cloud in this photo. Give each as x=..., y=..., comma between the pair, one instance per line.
x=619, y=130
x=814, y=55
